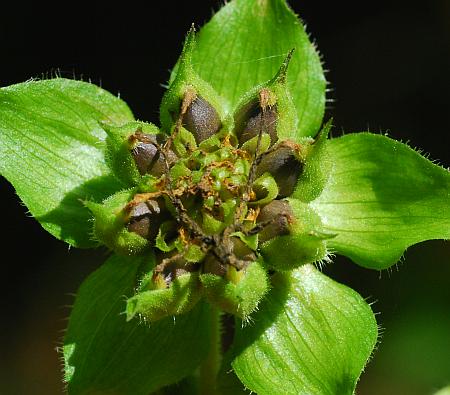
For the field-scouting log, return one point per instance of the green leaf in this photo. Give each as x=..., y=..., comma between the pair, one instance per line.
x=105, y=354
x=187, y=386
x=51, y=150
x=443, y=391
x=316, y=167
x=244, y=45
x=382, y=197
x=227, y=381
x=311, y=336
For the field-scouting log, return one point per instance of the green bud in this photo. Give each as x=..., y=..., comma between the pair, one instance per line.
x=167, y=238
x=184, y=143
x=305, y=243
x=211, y=225
x=178, y=297
x=126, y=156
x=110, y=219
x=267, y=108
x=239, y=292
x=194, y=254
x=192, y=99
x=179, y=170
x=316, y=168
x=284, y=164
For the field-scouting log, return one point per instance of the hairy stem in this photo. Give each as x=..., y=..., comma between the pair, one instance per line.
x=210, y=366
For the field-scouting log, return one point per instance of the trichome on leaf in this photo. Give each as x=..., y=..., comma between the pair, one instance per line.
x=220, y=211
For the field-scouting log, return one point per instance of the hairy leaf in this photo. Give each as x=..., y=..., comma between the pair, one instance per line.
x=227, y=381
x=244, y=45
x=311, y=336
x=104, y=354
x=51, y=150
x=381, y=198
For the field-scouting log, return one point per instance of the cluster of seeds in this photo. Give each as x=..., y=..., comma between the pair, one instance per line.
x=206, y=197
x=213, y=191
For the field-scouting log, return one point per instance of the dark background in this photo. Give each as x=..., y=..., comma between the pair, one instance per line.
x=389, y=70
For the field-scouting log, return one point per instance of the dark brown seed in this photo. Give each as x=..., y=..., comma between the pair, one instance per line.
x=144, y=154
x=140, y=226
x=146, y=217
x=147, y=157
x=252, y=119
x=158, y=168
x=201, y=119
x=275, y=218
x=284, y=167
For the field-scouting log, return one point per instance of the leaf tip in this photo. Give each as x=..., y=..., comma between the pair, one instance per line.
x=130, y=310
x=280, y=77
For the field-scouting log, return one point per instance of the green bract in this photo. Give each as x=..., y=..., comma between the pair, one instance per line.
x=205, y=107
x=160, y=302
x=215, y=219
x=109, y=225
x=119, y=142
x=306, y=243
x=239, y=293
x=280, y=117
